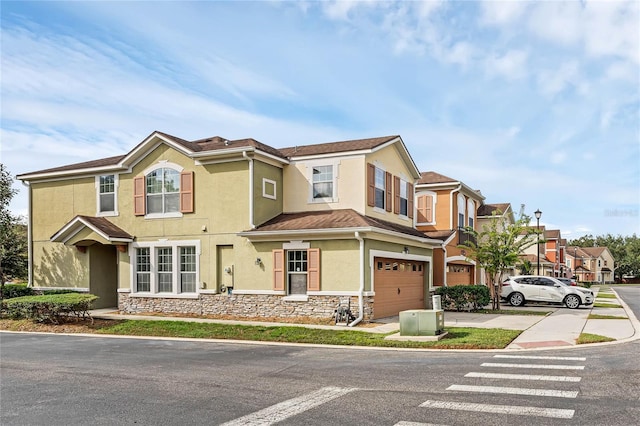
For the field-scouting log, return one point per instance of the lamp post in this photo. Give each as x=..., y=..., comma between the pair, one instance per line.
x=575, y=262
x=538, y=213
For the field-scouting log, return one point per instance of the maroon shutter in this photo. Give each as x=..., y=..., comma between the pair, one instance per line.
x=278, y=270
x=396, y=195
x=371, y=185
x=410, y=200
x=186, y=192
x=387, y=188
x=313, y=269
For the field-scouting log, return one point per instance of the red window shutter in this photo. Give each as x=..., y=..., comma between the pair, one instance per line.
x=410, y=199
x=387, y=188
x=278, y=270
x=422, y=209
x=371, y=185
x=429, y=209
x=139, y=207
x=313, y=269
x=186, y=192
x=396, y=194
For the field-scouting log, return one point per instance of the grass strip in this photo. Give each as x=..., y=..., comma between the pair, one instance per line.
x=597, y=316
x=592, y=338
x=512, y=312
x=606, y=305
x=606, y=296
x=458, y=337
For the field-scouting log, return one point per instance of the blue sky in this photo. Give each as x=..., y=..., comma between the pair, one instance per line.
x=534, y=103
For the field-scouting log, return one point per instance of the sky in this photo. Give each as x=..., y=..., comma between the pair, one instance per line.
x=534, y=103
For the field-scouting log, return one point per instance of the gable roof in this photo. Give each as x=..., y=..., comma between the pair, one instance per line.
x=433, y=177
x=488, y=209
x=336, y=147
x=552, y=234
x=100, y=225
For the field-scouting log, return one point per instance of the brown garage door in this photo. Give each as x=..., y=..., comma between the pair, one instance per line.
x=398, y=285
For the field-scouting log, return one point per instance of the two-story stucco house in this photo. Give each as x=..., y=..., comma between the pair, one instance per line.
x=444, y=207
x=216, y=226
x=591, y=264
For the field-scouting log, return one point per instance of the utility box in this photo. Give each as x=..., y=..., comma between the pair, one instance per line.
x=421, y=322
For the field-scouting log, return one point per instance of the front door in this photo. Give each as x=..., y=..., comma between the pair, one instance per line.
x=103, y=267
x=225, y=267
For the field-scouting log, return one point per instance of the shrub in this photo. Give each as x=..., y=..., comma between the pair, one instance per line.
x=59, y=291
x=53, y=308
x=16, y=290
x=464, y=297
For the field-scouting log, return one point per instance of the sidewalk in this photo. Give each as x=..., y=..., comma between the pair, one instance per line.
x=559, y=329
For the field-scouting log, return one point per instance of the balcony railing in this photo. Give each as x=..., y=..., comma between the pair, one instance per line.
x=464, y=236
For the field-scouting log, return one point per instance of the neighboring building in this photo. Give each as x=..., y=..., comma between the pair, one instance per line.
x=216, y=226
x=444, y=207
x=504, y=214
x=591, y=264
x=537, y=255
x=554, y=251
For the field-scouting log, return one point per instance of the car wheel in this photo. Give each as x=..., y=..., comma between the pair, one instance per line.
x=516, y=299
x=572, y=301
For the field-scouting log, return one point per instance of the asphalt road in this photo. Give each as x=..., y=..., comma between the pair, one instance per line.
x=75, y=380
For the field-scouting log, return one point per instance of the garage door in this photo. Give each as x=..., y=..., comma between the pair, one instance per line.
x=459, y=274
x=398, y=285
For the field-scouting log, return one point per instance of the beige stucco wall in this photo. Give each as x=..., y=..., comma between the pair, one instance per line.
x=350, y=183
x=266, y=208
x=57, y=265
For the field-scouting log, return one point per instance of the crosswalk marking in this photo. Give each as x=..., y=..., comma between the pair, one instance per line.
x=279, y=412
x=515, y=391
x=501, y=409
x=415, y=424
x=523, y=377
x=546, y=367
x=557, y=358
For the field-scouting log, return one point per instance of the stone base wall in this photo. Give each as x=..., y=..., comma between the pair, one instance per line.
x=243, y=305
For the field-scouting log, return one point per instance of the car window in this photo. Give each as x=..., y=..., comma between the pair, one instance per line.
x=545, y=282
x=524, y=280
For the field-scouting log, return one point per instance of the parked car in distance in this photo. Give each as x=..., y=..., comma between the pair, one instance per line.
x=568, y=281
x=520, y=289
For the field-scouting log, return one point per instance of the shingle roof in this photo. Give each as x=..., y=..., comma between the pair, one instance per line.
x=334, y=147
x=331, y=219
x=108, y=228
x=488, y=209
x=439, y=235
x=433, y=177
x=103, y=162
x=552, y=233
x=593, y=251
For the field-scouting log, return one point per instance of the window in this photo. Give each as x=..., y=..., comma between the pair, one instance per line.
x=269, y=189
x=296, y=271
x=322, y=182
x=471, y=208
x=461, y=207
x=164, y=191
x=174, y=269
x=403, y=201
x=106, y=186
x=380, y=189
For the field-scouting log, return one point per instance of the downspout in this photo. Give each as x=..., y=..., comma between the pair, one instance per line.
x=29, y=231
x=250, y=160
x=361, y=289
x=444, y=266
x=451, y=205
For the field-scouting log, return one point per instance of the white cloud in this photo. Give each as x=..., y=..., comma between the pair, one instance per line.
x=511, y=65
x=501, y=12
x=554, y=81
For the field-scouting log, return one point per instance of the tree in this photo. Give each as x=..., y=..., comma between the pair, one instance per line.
x=498, y=247
x=13, y=234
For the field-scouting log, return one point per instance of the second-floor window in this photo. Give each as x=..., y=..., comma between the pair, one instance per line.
x=403, y=191
x=107, y=195
x=322, y=182
x=471, y=208
x=380, y=190
x=165, y=191
x=404, y=202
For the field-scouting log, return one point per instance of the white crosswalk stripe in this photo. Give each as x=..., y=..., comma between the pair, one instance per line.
x=515, y=391
x=279, y=412
x=540, y=366
x=501, y=409
x=555, y=358
x=523, y=377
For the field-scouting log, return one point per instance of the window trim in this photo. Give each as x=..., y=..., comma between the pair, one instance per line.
x=175, y=267
x=265, y=194
x=334, y=179
x=116, y=184
x=164, y=164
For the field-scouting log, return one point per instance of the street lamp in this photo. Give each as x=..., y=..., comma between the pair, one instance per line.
x=575, y=261
x=538, y=213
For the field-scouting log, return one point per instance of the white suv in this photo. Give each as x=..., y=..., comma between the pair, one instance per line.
x=534, y=288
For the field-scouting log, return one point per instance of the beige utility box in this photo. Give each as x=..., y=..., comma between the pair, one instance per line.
x=421, y=322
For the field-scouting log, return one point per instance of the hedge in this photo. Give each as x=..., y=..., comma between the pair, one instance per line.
x=16, y=290
x=54, y=308
x=464, y=297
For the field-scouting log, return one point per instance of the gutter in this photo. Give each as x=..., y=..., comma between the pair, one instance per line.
x=250, y=160
x=29, y=237
x=361, y=289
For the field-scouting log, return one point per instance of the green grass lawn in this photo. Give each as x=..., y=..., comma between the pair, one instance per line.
x=458, y=337
x=592, y=338
x=597, y=316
